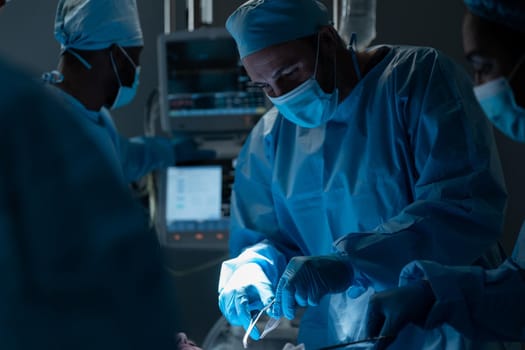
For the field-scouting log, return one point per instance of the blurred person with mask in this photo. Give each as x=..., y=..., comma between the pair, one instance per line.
x=482, y=304
x=99, y=70
x=80, y=269
x=368, y=161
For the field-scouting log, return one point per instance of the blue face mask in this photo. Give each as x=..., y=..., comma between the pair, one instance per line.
x=125, y=94
x=308, y=105
x=499, y=104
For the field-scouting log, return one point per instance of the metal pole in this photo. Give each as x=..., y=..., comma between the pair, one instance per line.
x=190, y=5
x=167, y=16
x=207, y=12
x=335, y=13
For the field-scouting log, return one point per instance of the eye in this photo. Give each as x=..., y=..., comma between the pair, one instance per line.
x=260, y=85
x=481, y=65
x=256, y=84
x=291, y=72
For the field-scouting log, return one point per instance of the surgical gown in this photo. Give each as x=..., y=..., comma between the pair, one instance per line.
x=407, y=168
x=79, y=267
x=482, y=304
x=136, y=156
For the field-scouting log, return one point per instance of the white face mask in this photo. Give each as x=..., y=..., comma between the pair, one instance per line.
x=125, y=94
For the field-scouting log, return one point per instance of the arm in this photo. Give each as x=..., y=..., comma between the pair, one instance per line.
x=482, y=304
x=141, y=155
x=77, y=257
x=247, y=281
x=459, y=195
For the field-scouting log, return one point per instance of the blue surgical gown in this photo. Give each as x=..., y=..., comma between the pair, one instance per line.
x=407, y=168
x=482, y=304
x=136, y=156
x=80, y=269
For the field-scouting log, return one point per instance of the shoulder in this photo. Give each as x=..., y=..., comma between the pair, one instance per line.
x=412, y=59
x=416, y=67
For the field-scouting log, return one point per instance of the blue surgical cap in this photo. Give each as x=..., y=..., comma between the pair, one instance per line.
x=509, y=13
x=97, y=24
x=258, y=24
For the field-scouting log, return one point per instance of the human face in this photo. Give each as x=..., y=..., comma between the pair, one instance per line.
x=491, y=50
x=485, y=50
x=280, y=68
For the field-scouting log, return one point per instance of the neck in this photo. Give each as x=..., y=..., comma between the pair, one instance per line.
x=347, y=78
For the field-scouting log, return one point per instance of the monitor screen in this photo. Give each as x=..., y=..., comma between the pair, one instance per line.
x=202, y=77
x=193, y=204
x=194, y=193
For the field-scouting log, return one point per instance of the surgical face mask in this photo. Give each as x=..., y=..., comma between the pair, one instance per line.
x=125, y=94
x=308, y=105
x=499, y=104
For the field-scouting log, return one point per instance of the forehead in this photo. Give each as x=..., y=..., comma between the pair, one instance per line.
x=263, y=63
x=482, y=37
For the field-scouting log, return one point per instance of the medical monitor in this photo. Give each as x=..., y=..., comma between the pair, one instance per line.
x=193, y=205
x=203, y=86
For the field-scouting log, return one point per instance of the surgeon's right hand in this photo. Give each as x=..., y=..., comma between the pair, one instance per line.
x=247, y=291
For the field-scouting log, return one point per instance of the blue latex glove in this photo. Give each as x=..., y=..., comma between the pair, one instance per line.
x=389, y=311
x=246, y=292
x=185, y=149
x=307, y=279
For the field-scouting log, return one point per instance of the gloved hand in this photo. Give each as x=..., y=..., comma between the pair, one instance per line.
x=185, y=149
x=307, y=279
x=247, y=292
x=389, y=311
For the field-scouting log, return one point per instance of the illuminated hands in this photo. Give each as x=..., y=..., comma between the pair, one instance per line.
x=246, y=293
x=270, y=325
x=307, y=279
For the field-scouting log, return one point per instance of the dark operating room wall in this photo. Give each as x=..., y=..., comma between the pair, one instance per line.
x=26, y=36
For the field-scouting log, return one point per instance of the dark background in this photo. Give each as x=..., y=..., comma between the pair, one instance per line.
x=26, y=37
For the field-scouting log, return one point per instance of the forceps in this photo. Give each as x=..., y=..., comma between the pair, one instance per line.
x=270, y=325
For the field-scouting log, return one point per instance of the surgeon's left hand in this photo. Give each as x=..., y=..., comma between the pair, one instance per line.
x=390, y=311
x=307, y=279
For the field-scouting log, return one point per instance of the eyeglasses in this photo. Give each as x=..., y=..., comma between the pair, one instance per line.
x=270, y=325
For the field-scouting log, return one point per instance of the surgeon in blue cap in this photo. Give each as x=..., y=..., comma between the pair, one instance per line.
x=482, y=304
x=80, y=268
x=99, y=70
x=368, y=161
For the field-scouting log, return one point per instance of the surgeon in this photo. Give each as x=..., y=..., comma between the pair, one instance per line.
x=481, y=304
x=79, y=267
x=368, y=161
x=99, y=70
